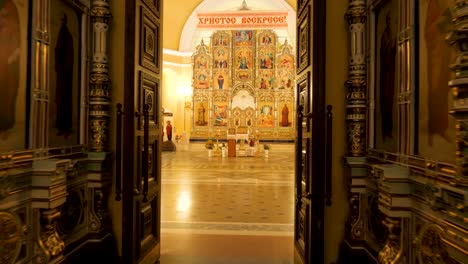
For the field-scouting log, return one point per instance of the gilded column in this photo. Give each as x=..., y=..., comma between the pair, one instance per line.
x=99, y=85
x=356, y=110
x=459, y=86
x=356, y=96
x=99, y=156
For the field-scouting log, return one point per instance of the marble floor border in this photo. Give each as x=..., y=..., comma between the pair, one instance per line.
x=228, y=181
x=228, y=228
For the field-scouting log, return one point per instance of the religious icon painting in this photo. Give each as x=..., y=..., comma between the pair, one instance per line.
x=266, y=79
x=221, y=39
x=201, y=80
x=266, y=114
x=285, y=114
x=201, y=62
x=64, y=73
x=266, y=38
x=286, y=62
x=220, y=114
x=13, y=74
x=244, y=37
x=266, y=58
x=386, y=124
x=221, y=58
x=243, y=59
x=221, y=80
x=201, y=113
x=285, y=71
x=436, y=128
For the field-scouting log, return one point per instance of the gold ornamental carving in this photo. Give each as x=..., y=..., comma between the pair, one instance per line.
x=10, y=237
x=432, y=250
x=392, y=251
x=49, y=241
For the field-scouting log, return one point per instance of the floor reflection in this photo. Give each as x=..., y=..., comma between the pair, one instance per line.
x=227, y=210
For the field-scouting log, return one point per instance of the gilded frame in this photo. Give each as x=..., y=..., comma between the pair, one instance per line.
x=80, y=32
x=387, y=9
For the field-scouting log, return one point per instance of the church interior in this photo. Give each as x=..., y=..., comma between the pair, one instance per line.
x=234, y=131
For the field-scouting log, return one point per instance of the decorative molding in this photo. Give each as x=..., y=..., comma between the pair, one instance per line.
x=10, y=237
x=99, y=84
x=303, y=41
x=50, y=244
x=392, y=252
x=149, y=41
x=355, y=223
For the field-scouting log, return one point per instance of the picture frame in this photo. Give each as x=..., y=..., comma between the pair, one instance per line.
x=384, y=86
x=67, y=72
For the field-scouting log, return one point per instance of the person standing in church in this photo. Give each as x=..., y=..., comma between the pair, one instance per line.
x=285, y=116
x=169, y=130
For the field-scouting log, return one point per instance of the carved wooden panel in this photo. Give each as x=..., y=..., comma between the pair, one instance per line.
x=10, y=237
x=154, y=5
x=149, y=88
x=301, y=229
x=301, y=4
x=304, y=45
x=73, y=212
x=149, y=41
x=149, y=226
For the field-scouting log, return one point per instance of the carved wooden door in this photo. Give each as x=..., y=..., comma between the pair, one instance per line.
x=310, y=141
x=142, y=113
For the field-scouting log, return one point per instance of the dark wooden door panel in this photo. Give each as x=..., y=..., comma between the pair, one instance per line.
x=310, y=146
x=141, y=149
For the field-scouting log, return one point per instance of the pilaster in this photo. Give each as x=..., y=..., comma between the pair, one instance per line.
x=99, y=85
x=356, y=109
x=356, y=96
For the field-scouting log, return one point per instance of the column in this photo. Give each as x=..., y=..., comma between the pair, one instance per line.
x=99, y=84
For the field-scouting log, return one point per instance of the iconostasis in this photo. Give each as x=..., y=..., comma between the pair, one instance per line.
x=244, y=78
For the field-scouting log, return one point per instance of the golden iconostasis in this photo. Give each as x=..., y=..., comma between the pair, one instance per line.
x=244, y=78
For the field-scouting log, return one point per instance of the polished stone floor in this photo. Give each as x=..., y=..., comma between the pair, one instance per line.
x=227, y=210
